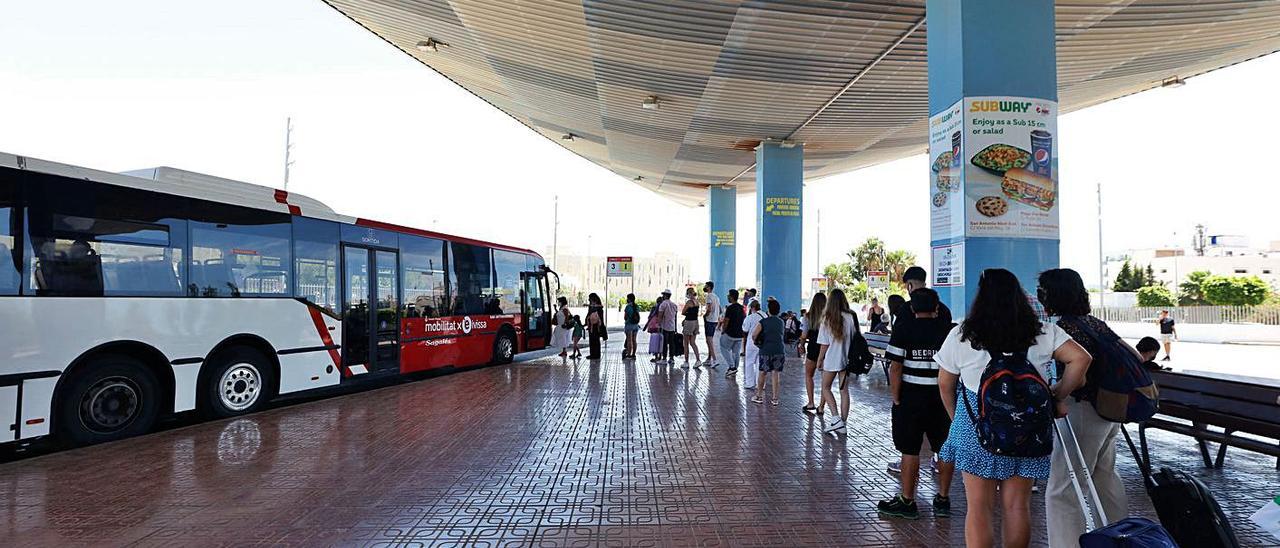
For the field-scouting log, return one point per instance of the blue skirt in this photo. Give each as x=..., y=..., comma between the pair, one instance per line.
x=963, y=449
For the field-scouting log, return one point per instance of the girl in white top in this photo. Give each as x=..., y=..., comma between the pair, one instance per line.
x=752, y=367
x=999, y=320
x=839, y=325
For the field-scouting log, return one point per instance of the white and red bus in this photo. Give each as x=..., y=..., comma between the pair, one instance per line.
x=128, y=297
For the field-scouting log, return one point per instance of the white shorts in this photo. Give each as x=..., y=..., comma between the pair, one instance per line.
x=1166, y=337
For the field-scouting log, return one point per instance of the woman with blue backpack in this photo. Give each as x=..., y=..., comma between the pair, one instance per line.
x=1002, y=430
x=1064, y=296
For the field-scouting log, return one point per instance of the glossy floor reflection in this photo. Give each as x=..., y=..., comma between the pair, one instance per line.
x=533, y=454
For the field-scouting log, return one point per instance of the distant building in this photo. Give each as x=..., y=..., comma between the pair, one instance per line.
x=1224, y=255
x=581, y=275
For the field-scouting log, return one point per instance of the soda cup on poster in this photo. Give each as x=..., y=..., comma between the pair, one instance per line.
x=955, y=149
x=1042, y=152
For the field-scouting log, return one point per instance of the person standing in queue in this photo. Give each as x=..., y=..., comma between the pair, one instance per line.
x=771, y=334
x=839, y=324
x=809, y=347
x=752, y=353
x=875, y=316
x=669, y=314
x=657, y=346
x=711, y=321
x=731, y=333
x=1063, y=295
x=595, y=326
x=917, y=405
x=630, y=326
x=689, y=327
x=912, y=279
x=1000, y=322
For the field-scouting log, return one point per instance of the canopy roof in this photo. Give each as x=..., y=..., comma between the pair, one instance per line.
x=848, y=79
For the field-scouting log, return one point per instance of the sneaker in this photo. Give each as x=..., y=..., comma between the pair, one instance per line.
x=1166, y=358
x=685, y=366
x=941, y=506
x=835, y=425
x=894, y=467
x=697, y=365
x=758, y=399
x=898, y=507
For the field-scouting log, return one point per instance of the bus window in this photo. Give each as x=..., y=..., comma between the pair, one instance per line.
x=240, y=260
x=472, y=280
x=422, y=272
x=10, y=258
x=315, y=251
x=507, y=267
x=95, y=240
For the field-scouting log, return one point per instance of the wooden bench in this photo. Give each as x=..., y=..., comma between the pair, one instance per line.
x=1235, y=404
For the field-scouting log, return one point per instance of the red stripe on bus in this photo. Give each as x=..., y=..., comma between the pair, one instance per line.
x=282, y=196
x=325, y=338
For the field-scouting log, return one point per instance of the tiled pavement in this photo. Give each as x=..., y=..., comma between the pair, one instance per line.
x=533, y=454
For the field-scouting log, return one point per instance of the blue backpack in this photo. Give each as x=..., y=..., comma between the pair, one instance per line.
x=1015, y=408
x=1117, y=384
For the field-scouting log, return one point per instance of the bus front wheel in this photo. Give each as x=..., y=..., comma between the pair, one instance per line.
x=504, y=347
x=238, y=382
x=111, y=398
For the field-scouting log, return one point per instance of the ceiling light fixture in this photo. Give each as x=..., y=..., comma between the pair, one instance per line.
x=650, y=103
x=431, y=44
x=1173, y=82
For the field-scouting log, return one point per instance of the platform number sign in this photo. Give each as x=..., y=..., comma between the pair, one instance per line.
x=620, y=267
x=877, y=279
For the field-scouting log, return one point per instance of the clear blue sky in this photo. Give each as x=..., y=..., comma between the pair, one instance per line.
x=206, y=86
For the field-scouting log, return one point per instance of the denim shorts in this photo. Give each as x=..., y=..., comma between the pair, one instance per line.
x=772, y=363
x=710, y=328
x=631, y=328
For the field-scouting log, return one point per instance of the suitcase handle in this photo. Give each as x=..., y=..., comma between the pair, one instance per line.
x=1065, y=428
x=1142, y=465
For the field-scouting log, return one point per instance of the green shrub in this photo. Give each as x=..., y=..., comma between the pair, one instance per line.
x=1155, y=295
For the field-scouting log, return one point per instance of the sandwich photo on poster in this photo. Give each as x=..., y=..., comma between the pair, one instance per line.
x=1011, y=175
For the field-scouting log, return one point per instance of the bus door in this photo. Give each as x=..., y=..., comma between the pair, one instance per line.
x=535, y=306
x=370, y=310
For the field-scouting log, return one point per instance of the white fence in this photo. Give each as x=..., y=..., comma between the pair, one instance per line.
x=1266, y=315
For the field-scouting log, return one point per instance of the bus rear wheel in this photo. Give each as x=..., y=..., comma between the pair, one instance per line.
x=111, y=398
x=238, y=382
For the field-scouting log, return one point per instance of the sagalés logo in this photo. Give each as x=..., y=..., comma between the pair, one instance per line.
x=999, y=106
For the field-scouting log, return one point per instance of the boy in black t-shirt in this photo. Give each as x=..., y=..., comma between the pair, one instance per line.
x=917, y=405
x=731, y=333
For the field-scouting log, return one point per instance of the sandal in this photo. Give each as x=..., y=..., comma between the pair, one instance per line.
x=758, y=399
x=809, y=409
x=775, y=401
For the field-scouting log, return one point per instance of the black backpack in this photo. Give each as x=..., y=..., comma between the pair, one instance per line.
x=859, y=360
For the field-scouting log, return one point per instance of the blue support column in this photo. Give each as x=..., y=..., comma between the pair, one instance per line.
x=982, y=52
x=779, y=190
x=723, y=206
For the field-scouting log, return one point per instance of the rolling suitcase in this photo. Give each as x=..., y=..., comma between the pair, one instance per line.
x=1185, y=506
x=1128, y=532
